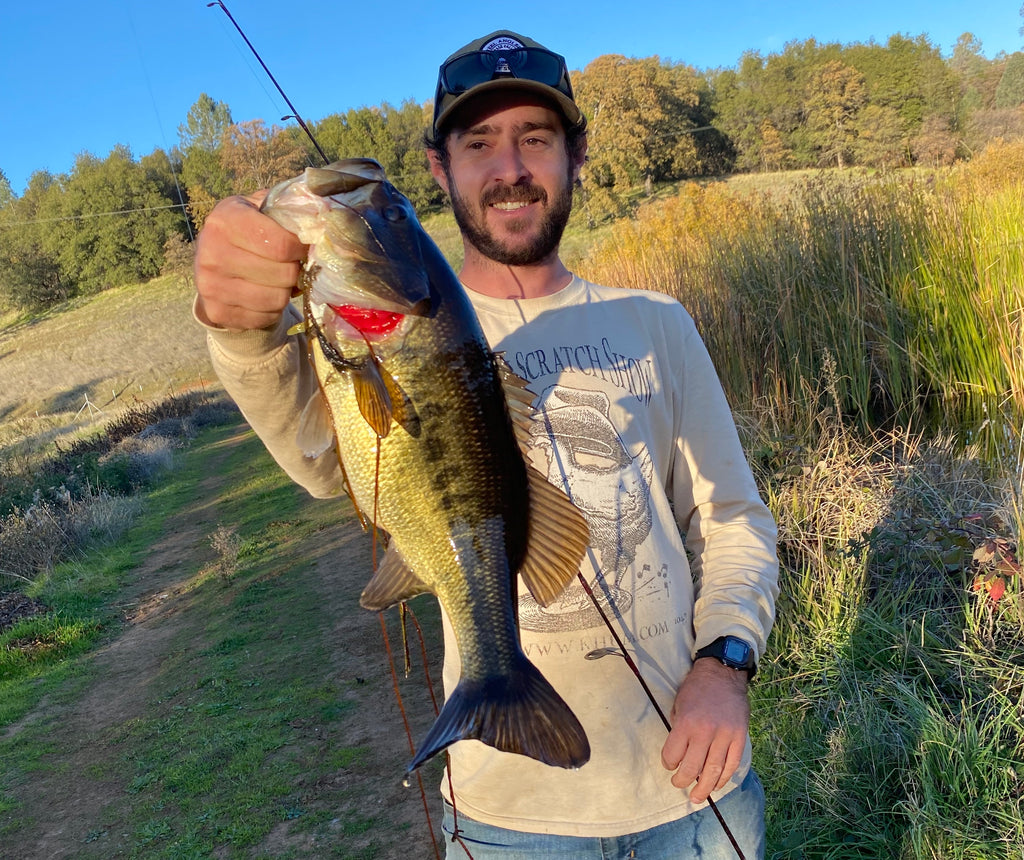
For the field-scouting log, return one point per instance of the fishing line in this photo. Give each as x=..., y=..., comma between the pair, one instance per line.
x=636, y=669
x=408, y=730
x=294, y=112
x=246, y=59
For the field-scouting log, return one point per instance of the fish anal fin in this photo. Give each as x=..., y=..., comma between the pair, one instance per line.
x=557, y=540
x=520, y=713
x=315, y=434
x=372, y=397
x=392, y=583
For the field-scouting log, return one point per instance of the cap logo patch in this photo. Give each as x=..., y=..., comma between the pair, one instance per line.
x=503, y=43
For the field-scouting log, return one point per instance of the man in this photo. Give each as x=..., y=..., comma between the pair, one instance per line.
x=636, y=429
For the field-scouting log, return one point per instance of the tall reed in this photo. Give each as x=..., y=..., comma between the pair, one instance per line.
x=911, y=286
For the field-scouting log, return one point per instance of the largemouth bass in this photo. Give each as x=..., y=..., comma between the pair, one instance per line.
x=426, y=421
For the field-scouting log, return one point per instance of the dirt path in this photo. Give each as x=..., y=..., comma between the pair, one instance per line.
x=80, y=794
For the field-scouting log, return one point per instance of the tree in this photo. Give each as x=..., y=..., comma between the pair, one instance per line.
x=642, y=114
x=741, y=110
x=257, y=157
x=7, y=195
x=413, y=172
x=114, y=221
x=205, y=124
x=935, y=145
x=835, y=98
x=201, y=134
x=30, y=274
x=1010, y=92
x=392, y=136
x=881, y=137
x=775, y=155
x=770, y=89
x=908, y=76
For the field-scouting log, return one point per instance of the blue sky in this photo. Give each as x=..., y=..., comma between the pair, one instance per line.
x=84, y=76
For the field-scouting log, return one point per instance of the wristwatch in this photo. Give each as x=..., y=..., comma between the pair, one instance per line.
x=733, y=652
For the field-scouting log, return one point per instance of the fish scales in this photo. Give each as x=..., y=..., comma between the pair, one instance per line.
x=416, y=404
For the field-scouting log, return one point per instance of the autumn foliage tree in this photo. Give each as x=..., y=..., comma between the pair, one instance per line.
x=256, y=157
x=834, y=100
x=644, y=116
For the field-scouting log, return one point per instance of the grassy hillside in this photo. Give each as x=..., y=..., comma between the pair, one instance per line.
x=869, y=333
x=130, y=341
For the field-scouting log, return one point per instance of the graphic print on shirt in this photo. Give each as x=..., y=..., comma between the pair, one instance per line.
x=586, y=454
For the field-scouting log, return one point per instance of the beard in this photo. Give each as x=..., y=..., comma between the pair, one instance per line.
x=473, y=225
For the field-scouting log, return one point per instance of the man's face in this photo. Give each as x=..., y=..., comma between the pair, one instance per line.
x=510, y=179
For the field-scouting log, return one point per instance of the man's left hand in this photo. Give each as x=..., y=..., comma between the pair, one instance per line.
x=710, y=717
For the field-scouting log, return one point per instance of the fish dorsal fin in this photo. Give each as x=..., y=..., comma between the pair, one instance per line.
x=519, y=399
x=372, y=397
x=557, y=540
x=558, y=534
x=391, y=583
x=316, y=429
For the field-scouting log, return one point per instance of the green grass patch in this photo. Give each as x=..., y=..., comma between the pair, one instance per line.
x=888, y=719
x=241, y=722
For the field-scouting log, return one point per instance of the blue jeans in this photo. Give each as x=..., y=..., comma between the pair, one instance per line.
x=699, y=835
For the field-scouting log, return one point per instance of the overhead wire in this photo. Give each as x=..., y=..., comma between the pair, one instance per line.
x=156, y=111
x=85, y=215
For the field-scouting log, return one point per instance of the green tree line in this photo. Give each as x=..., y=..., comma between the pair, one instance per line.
x=117, y=220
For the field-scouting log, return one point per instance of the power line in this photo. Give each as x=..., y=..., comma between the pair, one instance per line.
x=90, y=215
x=156, y=111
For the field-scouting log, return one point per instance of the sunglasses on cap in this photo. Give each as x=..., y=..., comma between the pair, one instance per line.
x=540, y=65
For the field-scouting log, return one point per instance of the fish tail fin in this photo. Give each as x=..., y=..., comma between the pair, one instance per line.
x=517, y=713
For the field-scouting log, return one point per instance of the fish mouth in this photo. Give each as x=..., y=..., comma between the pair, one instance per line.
x=369, y=322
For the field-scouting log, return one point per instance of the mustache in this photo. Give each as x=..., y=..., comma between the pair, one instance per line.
x=526, y=193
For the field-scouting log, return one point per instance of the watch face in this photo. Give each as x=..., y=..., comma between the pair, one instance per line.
x=736, y=651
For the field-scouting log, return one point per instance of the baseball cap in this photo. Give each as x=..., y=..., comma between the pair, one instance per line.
x=503, y=60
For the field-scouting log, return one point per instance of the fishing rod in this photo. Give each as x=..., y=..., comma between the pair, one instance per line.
x=294, y=113
x=586, y=586
x=631, y=663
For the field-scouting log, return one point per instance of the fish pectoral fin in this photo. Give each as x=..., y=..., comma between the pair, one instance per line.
x=392, y=583
x=372, y=397
x=403, y=411
x=557, y=540
x=316, y=429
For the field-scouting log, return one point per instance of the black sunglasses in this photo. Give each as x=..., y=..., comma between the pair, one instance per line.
x=532, y=64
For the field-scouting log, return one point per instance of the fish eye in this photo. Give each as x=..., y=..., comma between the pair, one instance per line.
x=394, y=213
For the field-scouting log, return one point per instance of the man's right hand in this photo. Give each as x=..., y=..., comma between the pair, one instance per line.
x=246, y=265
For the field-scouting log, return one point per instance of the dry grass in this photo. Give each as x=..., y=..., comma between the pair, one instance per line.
x=139, y=339
x=33, y=541
x=909, y=285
